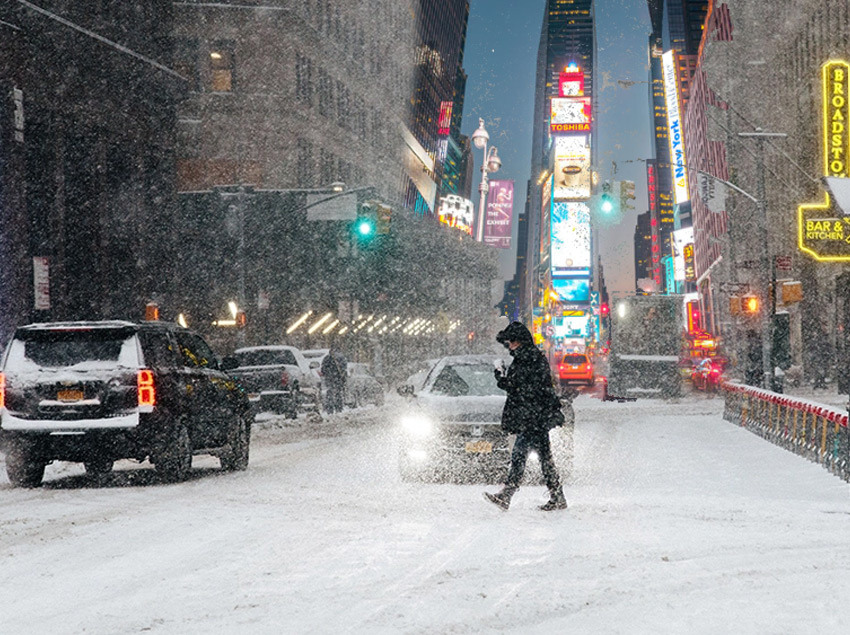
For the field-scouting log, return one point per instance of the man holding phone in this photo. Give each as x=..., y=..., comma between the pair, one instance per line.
x=531, y=410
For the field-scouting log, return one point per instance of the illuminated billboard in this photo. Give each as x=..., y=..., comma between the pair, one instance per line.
x=572, y=326
x=571, y=82
x=572, y=168
x=674, y=129
x=682, y=240
x=500, y=209
x=570, y=236
x=572, y=290
x=444, y=124
x=570, y=115
x=457, y=212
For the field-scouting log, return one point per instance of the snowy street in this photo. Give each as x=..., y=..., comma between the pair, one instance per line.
x=678, y=522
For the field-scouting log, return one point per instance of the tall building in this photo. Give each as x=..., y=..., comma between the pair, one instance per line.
x=643, y=248
x=294, y=97
x=438, y=89
x=557, y=271
x=86, y=159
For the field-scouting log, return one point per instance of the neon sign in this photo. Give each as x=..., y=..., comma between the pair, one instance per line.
x=822, y=231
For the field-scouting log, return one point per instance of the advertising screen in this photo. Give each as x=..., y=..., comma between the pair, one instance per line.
x=570, y=115
x=572, y=290
x=674, y=129
x=500, y=209
x=682, y=238
x=445, y=121
x=570, y=236
x=572, y=167
x=571, y=83
x=457, y=212
x=567, y=327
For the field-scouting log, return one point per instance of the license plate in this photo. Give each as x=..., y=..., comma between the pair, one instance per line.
x=70, y=395
x=479, y=447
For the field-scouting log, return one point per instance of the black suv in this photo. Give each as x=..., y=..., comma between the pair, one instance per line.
x=95, y=392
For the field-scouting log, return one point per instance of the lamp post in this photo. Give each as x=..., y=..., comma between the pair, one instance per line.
x=491, y=163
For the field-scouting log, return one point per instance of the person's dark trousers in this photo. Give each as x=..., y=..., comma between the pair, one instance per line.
x=335, y=397
x=525, y=443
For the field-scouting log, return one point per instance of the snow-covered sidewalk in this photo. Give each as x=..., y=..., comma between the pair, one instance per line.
x=678, y=522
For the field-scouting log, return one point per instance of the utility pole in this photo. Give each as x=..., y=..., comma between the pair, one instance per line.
x=767, y=270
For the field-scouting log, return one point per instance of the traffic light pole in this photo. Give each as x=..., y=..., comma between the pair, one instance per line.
x=768, y=271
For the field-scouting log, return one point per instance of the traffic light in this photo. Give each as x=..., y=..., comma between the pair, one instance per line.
x=384, y=218
x=749, y=304
x=365, y=225
x=604, y=310
x=606, y=200
x=627, y=194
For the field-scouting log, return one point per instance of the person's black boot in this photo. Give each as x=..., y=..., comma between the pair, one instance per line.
x=502, y=499
x=557, y=500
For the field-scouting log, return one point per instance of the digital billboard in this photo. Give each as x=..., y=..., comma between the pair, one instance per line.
x=570, y=236
x=682, y=238
x=571, y=82
x=572, y=167
x=456, y=211
x=572, y=290
x=572, y=326
x=674, y=129
x=445, y=122
x=500, y=209
x=570, y=115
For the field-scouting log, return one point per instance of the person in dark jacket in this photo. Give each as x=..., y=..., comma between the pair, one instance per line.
x=531, y=410
x=334, y=373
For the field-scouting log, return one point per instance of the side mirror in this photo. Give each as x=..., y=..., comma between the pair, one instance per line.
x=406, y=390
x=229, y=363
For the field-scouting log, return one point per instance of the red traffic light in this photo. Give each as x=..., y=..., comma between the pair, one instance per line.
x=604, y=310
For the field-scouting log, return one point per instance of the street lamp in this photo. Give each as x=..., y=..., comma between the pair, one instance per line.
x=491, y=163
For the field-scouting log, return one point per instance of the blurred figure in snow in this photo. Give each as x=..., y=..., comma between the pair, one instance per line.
x=334, y=375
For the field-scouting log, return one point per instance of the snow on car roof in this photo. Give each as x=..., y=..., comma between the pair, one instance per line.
x=82, y=324
x=270, y=347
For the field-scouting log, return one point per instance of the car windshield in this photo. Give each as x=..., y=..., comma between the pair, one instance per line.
x=64, y=349
x=466, y=380
x=575, y=359
x=265, y=357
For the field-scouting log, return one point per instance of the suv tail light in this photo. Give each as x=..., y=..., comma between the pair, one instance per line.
x=2, y=391
x=147, y=392
x=284, y=379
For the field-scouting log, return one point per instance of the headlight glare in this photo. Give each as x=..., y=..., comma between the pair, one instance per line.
x=418, y=425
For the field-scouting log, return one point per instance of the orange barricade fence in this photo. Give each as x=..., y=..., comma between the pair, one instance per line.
x=817, y=432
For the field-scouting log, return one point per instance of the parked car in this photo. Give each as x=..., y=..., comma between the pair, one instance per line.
x=576, y=367
x=96, y=392
x=417, y=379
x=278, y=379
x=361, y=387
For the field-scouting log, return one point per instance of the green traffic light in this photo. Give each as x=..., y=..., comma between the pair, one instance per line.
x=607, y=206
x=365, y=228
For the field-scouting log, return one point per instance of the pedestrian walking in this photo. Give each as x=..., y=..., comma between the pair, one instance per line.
x=334, y=374
x=532, y=409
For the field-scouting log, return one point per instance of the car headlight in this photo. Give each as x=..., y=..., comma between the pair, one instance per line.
x=418, y=425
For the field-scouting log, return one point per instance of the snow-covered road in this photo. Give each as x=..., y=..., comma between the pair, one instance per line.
x=678, y=522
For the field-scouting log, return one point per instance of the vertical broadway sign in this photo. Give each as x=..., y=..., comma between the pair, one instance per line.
x=674, y=129
x=822, y=231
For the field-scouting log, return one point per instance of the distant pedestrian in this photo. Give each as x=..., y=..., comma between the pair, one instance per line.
x=532, y=409
x=334, y=375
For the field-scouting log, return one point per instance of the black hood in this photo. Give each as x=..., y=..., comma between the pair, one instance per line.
x=515, y=332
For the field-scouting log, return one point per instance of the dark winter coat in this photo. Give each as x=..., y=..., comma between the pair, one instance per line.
x=532, y=405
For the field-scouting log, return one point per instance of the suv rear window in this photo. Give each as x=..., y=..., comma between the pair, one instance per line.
x=67, y=348
x=575, y=359
x=266, y=358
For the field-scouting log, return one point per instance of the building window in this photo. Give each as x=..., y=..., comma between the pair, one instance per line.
x=325, y=93
x=221, y=66
x=186, y=62
x=304, y=169
x=303, y=78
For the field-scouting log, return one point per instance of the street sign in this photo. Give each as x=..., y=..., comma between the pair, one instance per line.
x=783, y=263
x=735, y=288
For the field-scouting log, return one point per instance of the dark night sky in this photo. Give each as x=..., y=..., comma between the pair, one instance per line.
x=500, y=59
